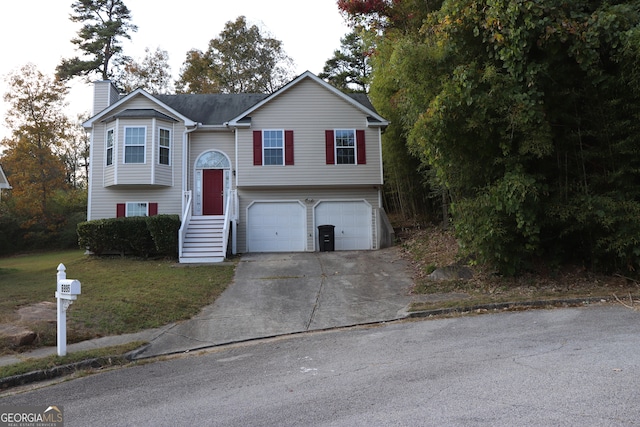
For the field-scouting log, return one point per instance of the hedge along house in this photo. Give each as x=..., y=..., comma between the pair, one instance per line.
x=245, y=172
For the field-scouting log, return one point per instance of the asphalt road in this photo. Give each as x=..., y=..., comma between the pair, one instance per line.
x=568, y=367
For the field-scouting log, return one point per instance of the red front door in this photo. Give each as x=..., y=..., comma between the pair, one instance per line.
x=212, y=192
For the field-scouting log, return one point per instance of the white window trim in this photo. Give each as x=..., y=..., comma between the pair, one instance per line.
x=169, y=147
x=126, y=209
x=112, y=148
x=272, y=148
x=124, y=145
x=355, y=146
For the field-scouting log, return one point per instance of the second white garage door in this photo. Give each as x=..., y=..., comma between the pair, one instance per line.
x=276, y=227
x=352, y=221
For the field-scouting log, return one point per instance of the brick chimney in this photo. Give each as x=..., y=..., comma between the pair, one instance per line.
x=104, y=94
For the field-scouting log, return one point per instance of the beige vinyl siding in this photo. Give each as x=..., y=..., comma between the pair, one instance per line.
x=136, y=182
x=314, y=195
x=203, y=141
x=104, y=200
x=164, y=174
x=309, y=110
x=134, y=173
x=104, y=94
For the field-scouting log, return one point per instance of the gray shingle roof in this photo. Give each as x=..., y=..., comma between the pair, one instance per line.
x=139, y=113
x=211, y=109
x=219, y=108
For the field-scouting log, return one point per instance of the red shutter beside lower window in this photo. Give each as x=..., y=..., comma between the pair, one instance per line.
x=328, y=139
x=288, y=147
x=360, y=143
x=257, y=147
x=121, y=210
x=153, y=209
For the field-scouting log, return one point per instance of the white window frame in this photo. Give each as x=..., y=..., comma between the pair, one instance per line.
x=265, y=148
x=354, y=148
x=109, y=145
x=133, y=208
x=164, y=147
x=143, y=145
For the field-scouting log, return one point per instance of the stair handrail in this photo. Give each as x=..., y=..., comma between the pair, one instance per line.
x=227, y=221
x=186, y=217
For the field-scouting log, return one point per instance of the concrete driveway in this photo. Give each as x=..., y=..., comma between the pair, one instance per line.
x=285, y=293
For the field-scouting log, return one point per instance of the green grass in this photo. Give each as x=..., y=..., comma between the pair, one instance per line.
x=119, y=295
x=115, y=355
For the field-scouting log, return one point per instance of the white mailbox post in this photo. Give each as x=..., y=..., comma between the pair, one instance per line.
x=67, y=291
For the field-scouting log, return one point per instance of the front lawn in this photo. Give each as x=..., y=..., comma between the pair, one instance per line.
x=119, y=295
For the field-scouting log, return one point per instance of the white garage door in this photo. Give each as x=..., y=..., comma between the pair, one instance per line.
x=352, y=222
x=276, y=227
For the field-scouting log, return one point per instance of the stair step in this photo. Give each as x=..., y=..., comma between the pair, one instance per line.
x=205, y=236
x=191, y=244
x=203, y=240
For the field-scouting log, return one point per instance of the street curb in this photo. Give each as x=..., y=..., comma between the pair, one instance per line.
x=59, y=371
x=505, y=306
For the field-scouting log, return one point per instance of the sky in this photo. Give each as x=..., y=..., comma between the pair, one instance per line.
x=40, y=32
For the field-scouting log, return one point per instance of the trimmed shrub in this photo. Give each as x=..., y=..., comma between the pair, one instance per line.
x=164, y=231
x=140, y=236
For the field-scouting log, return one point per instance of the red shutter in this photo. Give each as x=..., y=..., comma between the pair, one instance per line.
x=328, y=138
x=257, y=147
x=121, y=210
x=153, y=209
x=362, y=152
x=288, y=147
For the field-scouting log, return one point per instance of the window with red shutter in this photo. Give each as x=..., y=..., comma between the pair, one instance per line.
x=360, y=143
x=329, y=147
x=288, y=147
x=257, y=147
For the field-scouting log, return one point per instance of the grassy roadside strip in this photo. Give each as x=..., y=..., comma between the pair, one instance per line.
x=31, y=370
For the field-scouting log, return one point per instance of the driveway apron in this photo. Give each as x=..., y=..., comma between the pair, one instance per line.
x=284, y=293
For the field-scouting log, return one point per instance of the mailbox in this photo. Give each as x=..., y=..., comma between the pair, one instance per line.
x=68, y=288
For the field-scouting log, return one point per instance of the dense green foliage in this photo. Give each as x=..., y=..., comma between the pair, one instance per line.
x=140, y=236
x=526, y=114
x=349, y=68
x=42, y=161
x=104, y=24
x=240, y=60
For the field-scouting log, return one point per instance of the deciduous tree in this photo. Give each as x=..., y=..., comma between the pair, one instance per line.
x=526, y=112
x=152, y=73
x=240, y=60
x=38, y=130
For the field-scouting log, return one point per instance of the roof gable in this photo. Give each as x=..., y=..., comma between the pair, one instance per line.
x=107, y=112
x=360, y=101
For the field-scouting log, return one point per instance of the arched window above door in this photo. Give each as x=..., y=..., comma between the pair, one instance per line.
x=212, y=160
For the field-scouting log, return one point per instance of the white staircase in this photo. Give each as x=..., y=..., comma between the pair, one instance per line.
x=203, y=240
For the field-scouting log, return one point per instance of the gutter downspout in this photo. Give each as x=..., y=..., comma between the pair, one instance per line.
x=234, y=236
x=185, y=153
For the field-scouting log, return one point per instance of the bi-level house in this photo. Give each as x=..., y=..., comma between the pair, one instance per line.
x=245, y=172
